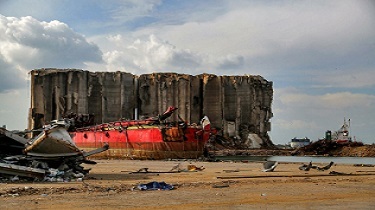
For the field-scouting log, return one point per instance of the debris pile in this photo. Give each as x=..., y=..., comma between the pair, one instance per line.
x=50, y=156
x=326, y=147
x=175, y=169
x=79, y=120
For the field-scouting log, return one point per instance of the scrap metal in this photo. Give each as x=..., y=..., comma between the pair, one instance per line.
x=50, y=156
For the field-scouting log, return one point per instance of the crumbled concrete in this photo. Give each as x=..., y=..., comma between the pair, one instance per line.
x=240, y=106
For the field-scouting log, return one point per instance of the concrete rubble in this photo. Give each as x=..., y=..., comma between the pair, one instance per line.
x=50, y=156
x=239, y=106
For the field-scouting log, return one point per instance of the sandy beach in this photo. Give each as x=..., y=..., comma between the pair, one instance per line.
x=112, y=184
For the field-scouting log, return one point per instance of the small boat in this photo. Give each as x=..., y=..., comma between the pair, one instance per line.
x=152, y=138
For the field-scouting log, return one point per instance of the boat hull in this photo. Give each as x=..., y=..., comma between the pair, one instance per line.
x=52, y=142
x=144, y=142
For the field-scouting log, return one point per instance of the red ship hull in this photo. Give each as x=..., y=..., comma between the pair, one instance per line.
x=128, y=139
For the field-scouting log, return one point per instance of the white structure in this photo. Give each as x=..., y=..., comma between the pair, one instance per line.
x=297, y=143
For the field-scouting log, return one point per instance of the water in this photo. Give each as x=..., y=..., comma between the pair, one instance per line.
x=303, y=159
x=315, y=159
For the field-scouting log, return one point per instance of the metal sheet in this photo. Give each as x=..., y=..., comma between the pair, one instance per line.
x=23, y=171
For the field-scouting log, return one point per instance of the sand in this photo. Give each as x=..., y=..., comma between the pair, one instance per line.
x=221, y=185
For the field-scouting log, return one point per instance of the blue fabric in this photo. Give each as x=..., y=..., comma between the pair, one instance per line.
x=155, y=186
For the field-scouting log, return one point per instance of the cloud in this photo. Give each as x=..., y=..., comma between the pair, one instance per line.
x=10, y=77
x=299, y=114
x=231, y=62
x=292, y=104
x=26, y=43
x=14, y=107
x=328, y=101
x=125, y=11
x=281, y=38
x=345, y=78
x=152, y=54
x=295, y=124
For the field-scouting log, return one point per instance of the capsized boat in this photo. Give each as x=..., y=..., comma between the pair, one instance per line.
x=54, y=140
x=152, y=138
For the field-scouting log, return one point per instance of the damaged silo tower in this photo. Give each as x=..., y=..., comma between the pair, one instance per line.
x=240, y=106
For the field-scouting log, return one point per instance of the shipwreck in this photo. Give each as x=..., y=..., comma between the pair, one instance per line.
x=151, y=138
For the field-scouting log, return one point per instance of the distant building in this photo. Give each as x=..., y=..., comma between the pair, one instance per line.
x=297, y=143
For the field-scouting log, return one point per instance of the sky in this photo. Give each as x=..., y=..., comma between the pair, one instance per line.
x=320, y=55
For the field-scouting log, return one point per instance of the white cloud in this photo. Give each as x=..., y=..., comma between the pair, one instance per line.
x=26, y=43
x=152, y=54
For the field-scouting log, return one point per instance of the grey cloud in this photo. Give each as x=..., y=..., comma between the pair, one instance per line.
x=185, y=58
x=231, y=62
x=9, y=77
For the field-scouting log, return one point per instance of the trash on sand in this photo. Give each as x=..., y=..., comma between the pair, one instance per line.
x=176, y=167
x=50, y=156
x=325, y=167
x=230, y=171
x=145, y=171
x=364, y=165
x=305, y=167
x=269, y=166
x=194, y=168
x=220, y=185
x=155, y=186
x=338, y=173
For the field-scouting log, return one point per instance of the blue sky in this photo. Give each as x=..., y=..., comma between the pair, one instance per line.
x=320, y=55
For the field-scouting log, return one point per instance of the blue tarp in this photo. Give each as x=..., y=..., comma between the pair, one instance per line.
x=155, y=186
